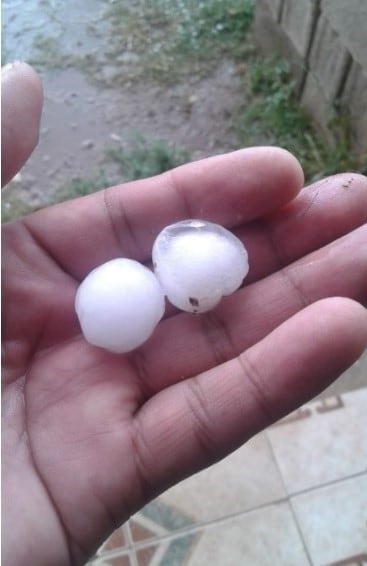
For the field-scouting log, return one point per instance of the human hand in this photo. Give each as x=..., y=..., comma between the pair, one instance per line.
x=89, y=436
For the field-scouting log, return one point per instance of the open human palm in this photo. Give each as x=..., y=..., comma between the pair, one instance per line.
x=90, y=436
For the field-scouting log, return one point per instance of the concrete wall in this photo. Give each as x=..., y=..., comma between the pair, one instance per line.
x=325, y=42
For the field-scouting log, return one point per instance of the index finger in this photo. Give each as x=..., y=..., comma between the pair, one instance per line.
x=124, y=220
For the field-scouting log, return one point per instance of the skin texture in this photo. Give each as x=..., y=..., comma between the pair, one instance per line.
x=21, y=105
x=89, y=436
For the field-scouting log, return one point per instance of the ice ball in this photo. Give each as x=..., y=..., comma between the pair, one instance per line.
x=119, y=304
x=197, y=263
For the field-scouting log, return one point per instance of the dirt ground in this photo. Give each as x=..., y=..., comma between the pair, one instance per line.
x=81, y=120
x=83, y=117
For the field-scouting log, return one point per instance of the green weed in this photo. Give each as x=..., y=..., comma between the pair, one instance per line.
x=141, y=159
x=145, y=159
x=80, y=187
x=13, y=207
x=275, y=115
x=48, y=54
x=161, y=40
x=168, y=39
x=218, y=26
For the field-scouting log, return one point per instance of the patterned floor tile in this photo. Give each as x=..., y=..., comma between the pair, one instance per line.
x=143, y=529
x=123, y=559
x=169, y=552
x=117, y=540
x=246, y=479
x=333, y=520
x=265, y=537
x=145, y=555
x=322, y=442
x=156, y=520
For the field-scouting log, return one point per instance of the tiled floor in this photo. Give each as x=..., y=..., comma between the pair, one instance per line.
x=295, y=495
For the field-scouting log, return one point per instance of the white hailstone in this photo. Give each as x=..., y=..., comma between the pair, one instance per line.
x=197, y=263
x=119, y=304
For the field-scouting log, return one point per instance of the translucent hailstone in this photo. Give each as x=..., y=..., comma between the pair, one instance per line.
x=197, y=263
x=119, y=304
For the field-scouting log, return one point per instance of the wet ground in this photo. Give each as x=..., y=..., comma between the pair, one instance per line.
x=93, y=103
x=86, y=113
x=81, y=120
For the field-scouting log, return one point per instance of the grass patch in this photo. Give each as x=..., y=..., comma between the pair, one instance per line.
x=48, y=53
x=145, y=159
x=275, y=115
x=167, y=39
x=160, y=40
x=13, y=207
x=15, y=204
x=80, y=187
x=139, y=160
x=216, y=27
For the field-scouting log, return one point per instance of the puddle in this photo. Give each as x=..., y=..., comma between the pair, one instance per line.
x=76, y=30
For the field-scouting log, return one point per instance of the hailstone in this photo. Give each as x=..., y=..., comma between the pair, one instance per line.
x=197, y=263
x=119, y=304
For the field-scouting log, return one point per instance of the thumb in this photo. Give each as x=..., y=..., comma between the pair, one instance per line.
x=21, y=107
